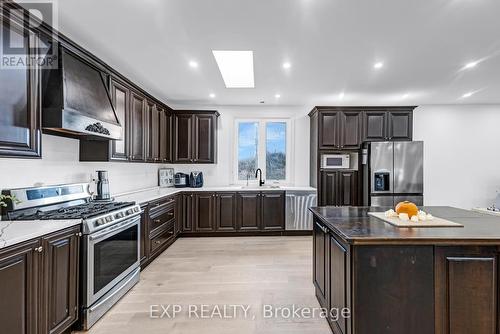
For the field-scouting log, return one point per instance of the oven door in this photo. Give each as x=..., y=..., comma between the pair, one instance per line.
x=112, y=254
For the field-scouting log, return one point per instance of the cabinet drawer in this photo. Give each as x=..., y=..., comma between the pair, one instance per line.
x=162, y=238
x=160, y=218
x=155, y=208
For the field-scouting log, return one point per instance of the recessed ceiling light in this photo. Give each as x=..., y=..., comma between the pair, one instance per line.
x=341, y=96
x=277, y=96
x=236, y=68
x=378, y=65
x=469, y=94
x=405, y=96
x=212, y=95
x=287, y=65
x=470, y=65
x=193, y=64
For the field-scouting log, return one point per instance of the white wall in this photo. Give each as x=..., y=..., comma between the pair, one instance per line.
x=60, y=158
x=461, y=153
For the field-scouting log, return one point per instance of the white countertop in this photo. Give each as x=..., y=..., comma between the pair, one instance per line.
x=151, y=194
x=14, y=232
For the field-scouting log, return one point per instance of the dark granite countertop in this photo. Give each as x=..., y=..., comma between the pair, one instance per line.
x=355, y=226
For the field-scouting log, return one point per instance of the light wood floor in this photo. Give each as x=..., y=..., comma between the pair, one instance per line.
x=248, y=270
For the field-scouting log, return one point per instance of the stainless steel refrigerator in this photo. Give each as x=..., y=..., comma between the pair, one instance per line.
x=393, y=172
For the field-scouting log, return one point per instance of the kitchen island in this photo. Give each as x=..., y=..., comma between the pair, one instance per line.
x=407, y=280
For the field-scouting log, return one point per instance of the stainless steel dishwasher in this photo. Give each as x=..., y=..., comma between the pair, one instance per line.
x=298, y=216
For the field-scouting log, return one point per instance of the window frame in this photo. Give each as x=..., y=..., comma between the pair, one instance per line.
x=261, y=149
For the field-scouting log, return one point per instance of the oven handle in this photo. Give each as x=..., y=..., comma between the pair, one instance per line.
x=96, y=306
x=114, y=230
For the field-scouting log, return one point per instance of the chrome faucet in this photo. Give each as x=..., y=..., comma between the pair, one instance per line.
x=261, y=183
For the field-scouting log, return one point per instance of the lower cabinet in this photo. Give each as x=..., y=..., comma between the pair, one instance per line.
x=272, y=210
x=204, y=212
x=466, y=290
x=321, y=262
x=338, y=292
x=39, y=284
x=340, y=188
x=225, y=212
x=249, y=208
x=144, y=250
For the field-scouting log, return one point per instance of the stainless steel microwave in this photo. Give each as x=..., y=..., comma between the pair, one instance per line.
x=335, y=161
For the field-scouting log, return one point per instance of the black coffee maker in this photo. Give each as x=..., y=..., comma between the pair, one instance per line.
x=102, y=186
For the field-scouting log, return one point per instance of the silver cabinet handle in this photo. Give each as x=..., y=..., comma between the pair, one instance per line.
x=39, y=249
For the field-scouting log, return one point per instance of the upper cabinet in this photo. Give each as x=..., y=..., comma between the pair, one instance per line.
x=165, y=135
x=395, y=123
x=20, y=104
x=339, y=129
x=120, y=95
x=195, y=136
x=137, y=127
x=348, y=127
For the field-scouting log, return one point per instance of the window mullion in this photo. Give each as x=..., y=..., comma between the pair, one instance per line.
x=262, y=148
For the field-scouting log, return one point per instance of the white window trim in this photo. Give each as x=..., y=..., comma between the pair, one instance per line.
x=261, y=150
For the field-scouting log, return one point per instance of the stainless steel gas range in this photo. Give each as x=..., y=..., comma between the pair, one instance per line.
x=110, y=256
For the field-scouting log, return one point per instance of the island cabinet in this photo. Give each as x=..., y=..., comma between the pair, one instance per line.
x=195, y=136
x=39, y=284
x=399, y=280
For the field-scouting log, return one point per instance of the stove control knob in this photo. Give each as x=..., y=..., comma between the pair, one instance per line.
x=136, y=209
x=101, y=221
x=109, y=219
x=130, y=211
x=119, y=215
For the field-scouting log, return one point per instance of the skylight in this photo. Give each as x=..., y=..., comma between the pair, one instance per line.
x=236, y=68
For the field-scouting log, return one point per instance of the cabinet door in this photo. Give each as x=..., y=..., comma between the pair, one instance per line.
x=338, y=282
x=138, y=125
x=249, y=211
x=60, y=280
x=329, y=130
x=348, y=188
x=225, y=211
x=153, y=117
x=466, y=290
x=350, y=125
x=120, y=96
x=273, y=211
x=165, y=135
x=375, y=126
x=20, y=131
x=183, y=143
x=187, y=212
x=400, y=125
x=144, y=249
x=320, y=261
x=329, y=188
x=204, y=138
x=204, y=212
x=19, y=272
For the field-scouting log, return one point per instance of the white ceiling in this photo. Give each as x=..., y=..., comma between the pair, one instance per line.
x=331, y=44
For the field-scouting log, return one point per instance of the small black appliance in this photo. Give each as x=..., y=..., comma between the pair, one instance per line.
x=196, y=179
x=181, y=180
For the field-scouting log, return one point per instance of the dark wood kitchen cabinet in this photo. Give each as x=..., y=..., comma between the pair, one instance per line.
x=187, y=212
x=204, y=215
x=340, y=188
x=225, y=211
x=388, y=124
x=249, y=211
x=321, y=260
x=137, y=127
x=329, y=122
x=339, y=129
x=165, y=135
x=20, y=107
x=195, y=136
x=40, y=284
x=120, y=96
x=273, y=211
x=466, y=290
x=19, y=288
x=144, y=228
x=153, y=132
x=60, y=280
x=338, y=283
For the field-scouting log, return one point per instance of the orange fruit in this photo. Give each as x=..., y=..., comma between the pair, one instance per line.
x=407, y=207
